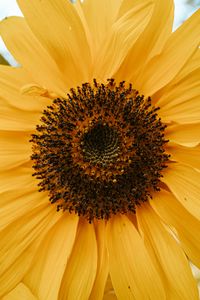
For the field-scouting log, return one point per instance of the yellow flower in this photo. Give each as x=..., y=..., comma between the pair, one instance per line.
x=112, y=210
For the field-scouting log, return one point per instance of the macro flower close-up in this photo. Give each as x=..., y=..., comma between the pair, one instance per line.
x=100, y=153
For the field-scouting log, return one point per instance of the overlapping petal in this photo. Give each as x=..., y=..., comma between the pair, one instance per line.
x=179, y=48
x=185, y=155
x=102, y=262
x=186, y=225
x=49, y=255
x=63, y=40
x=23, y=41
x=150, y=42
x=18, y=248
x=45, y=276
x=183, y=134
x=15, y=149
x=12, y=81
x=17, y=179
x=120, y=38
x=80, y=273
x=95, y=22
x=131, y=268
x=179, y=101
x=21, y=291
x=184, y=183
x=18, y=112
x=21, y=202
x=170, y=257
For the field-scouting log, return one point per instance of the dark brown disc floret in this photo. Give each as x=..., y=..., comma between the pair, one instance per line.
x=100, y=151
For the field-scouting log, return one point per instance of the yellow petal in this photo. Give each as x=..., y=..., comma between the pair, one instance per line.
x=81, y=269
x=23, y=232
x=180, y=281
x=179, y=102
x=15, y=149
x=179, y=48
x=30, y=54
x=19, y=242
x=188, y=228
x=21, y=291
x=151, y=41
x=120, y=38
x=18, y=112
x=20, y=202
x=184, y=183
x=185, y=155
x=183, y=133
x=45, y=276
x=162, y=19
x=191, y=65
x=12, y=81
x=131, y=268
x=99, y=16
x=65, y=41
x=19, y=193
x=17, y=179
x=13, y=119
x=102, y=263
x=14, y=274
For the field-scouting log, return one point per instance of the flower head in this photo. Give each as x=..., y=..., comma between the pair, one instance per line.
x=100, y=152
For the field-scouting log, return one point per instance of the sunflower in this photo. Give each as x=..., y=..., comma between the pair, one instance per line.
x=100, y=155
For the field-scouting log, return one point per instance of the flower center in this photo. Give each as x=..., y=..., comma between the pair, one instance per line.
x=100, y=145
x=100, y=151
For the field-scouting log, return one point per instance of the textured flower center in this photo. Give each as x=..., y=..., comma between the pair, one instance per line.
x=100, y=145
x=100, y=151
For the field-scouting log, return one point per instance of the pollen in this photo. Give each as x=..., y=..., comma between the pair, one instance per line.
x=100, y=151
